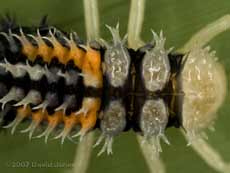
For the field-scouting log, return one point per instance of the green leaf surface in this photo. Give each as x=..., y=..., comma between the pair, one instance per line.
x=179, y=20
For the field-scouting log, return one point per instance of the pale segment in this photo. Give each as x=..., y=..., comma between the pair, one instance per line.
x=204, y=85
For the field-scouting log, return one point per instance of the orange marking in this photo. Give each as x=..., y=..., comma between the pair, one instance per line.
x=70, y=121
x=24, y=111
x=91, y=68
x=58, y=51
x=88, y=121
x=27, y=48
x=47, y=53
x=43, y=49
x=55, y=118
x=39, y=115
x=29, y=52
x=76, y=54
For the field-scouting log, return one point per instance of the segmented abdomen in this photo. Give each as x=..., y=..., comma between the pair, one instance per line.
x=47, y=77
x=53, y=79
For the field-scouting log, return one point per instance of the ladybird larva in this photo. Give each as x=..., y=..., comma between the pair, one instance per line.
x=48, y=75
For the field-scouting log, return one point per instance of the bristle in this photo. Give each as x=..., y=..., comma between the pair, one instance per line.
x=22, y=113
x=69, y=123
x=53, y=121
x=7, y=22
x=58, y=51
x=33, y=97
x=37, y=118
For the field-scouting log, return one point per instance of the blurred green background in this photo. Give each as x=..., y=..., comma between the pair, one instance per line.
x=179, y=19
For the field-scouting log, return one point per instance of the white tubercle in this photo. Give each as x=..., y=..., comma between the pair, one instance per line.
x=13, y=69
x=112, y=123
x=35, y=72
x=15, y=94
x=117, y=59
x=153, y=122
x=155, y=65
x=33, y=97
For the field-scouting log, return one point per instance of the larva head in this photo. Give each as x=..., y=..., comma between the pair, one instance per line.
x=117, y=60
x=204, y=85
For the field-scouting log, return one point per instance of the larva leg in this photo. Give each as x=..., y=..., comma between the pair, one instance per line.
x=210, y=155
x=206, y=34
x=84, y=149
x=136, y=17
x=91, y=19
x=153, y=161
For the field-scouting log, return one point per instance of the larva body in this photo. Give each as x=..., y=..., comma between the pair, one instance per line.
x=50, y=77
